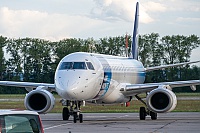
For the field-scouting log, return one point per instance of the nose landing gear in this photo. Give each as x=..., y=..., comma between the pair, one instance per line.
x=78, y=117
x=72, y=109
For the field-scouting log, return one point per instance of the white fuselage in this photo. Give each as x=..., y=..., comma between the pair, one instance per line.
x=88, y=76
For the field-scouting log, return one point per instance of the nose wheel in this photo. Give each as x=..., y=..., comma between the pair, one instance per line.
x=73, y=110
x=78, y=117
x=65, y=113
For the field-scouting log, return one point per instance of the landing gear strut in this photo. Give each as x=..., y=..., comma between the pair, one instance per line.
x=72, y=109
x=144, y=112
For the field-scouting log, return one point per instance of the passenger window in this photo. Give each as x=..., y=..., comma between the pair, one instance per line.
x=90, y=66
x=79, y=65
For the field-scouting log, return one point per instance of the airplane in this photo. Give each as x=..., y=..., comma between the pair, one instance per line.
x=103, y=79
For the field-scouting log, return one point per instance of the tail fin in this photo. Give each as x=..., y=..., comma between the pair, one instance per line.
x=135, y=34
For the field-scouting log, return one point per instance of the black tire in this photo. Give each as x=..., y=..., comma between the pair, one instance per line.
x=75, y=118
x=153, y=115
x=81, y=118
x=142, y=113
x=65, y=113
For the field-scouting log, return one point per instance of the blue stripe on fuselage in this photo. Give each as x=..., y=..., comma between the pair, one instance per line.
x=141, y=77
x=106, y=81
x=142, y=74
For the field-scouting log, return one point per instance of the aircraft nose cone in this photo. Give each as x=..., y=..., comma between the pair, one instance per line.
x=67, y=88
x=74, y=85
x=70, y=90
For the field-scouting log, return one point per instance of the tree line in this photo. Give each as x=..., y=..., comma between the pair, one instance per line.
x=35, y=60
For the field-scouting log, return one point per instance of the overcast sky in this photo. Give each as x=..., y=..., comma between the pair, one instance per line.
x=58, y=19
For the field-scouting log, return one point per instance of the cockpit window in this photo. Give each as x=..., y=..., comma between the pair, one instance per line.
x=79, y=65
x=90, y=66
x=66, y=65
x=73, y=65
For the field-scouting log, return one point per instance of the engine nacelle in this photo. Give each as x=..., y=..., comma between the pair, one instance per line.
x=161, y=100
x=39, y=100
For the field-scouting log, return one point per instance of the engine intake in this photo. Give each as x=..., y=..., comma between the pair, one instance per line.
x=41, y=101
x=161, y=100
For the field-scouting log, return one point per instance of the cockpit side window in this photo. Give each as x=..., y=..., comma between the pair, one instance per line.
x=90, y=66
x=66, y=65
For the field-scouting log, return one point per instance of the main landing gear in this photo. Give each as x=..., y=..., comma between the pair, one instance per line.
x=144, y=112
x=73, y=110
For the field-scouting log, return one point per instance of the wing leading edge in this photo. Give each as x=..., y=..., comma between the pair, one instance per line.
x=134, y=89
x=167, y=66
x=27, y=84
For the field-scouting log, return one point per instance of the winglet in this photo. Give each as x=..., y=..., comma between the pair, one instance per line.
x=135, y=34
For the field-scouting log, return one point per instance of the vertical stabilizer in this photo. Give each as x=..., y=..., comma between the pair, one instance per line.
x=135, y=34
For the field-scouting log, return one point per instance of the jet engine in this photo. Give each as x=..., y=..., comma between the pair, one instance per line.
x=39, y=100
x=161, y=100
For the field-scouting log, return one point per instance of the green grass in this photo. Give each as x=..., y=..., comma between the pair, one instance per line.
x=12, y=96
x=188, y=94
x=182, y=106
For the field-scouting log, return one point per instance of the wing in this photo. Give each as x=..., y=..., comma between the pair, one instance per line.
x=134, y=89
x=167, y=66
x=27, y=84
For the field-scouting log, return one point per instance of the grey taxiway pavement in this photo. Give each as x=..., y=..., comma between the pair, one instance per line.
x=180, y=122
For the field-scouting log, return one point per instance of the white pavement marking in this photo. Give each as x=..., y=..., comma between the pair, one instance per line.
x=47, y=128
x=108, y=118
